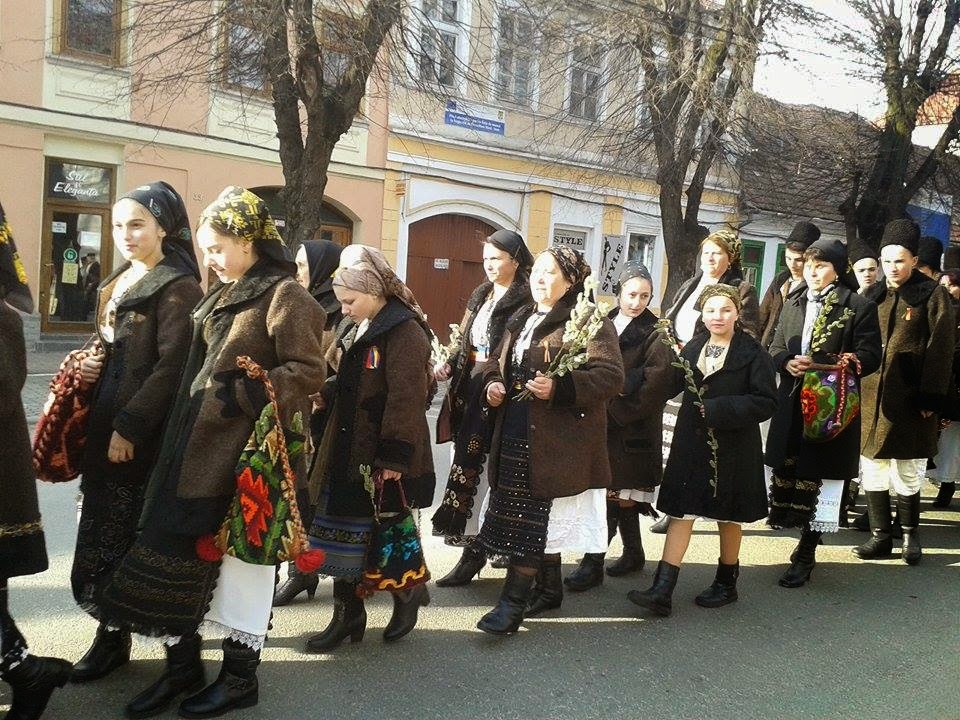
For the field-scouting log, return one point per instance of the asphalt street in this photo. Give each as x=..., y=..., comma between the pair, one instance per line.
x=861, y=640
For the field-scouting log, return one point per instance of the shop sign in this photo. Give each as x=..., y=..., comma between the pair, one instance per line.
x=612, y=261
x=571, y=239
x=79, y=183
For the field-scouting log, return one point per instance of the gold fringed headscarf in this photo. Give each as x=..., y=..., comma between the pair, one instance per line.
x=729, y=241
x=364, y=269
x=720, y=290
x=241, y=213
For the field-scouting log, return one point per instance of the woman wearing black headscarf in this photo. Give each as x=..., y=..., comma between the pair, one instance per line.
x=22, y=549
x=316, y=262
x=463, y=419
x=143, y=324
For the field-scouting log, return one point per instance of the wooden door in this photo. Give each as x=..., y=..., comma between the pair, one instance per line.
x=444, y=265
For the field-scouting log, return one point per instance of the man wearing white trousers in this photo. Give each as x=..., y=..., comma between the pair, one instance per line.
x=901, y=403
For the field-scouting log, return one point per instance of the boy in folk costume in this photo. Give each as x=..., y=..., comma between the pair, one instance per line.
x=901, y=403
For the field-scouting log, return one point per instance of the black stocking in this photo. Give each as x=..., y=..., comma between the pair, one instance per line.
x=13, y=648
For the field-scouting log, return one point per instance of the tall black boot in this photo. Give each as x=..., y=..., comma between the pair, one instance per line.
x=506, y=617
x=548, y=590
x=659, y=598
x=802, y=561
x=33, y=681
x=349, y=619
x=908, y=508
x=633, y=557
x=110, y=650
x=589, y=573
x=880, y=543
x=723, y=590
x=470, y=564
x=296, y=583
x=851, y=491
x=406, y=606
x=235, y=687
x=944, y=495
x=183, y=674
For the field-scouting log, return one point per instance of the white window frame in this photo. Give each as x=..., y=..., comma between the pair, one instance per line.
x=601, y=95
x=533, y=101
x=648, y=262
x=460, y=30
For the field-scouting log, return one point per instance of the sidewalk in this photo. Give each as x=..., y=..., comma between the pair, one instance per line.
x=41, y=367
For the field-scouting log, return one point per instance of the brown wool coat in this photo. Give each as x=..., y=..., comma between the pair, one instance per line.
x=22, y=550
x=635, y=427
x=269, y=317
x=568, y=432
x=379, y=397
x=771, y=306
x=144, y=363
x=917, y=328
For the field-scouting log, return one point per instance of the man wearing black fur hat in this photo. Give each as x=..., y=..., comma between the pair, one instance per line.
x=928, y=257
x=803, y=235
x=900, y=403
x=865, y=263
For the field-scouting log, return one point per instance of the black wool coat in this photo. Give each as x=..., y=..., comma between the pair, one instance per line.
x=917, y=327
x=837, y=459
x=635, y=416
x=144, y=362
x=738, y=397
x=22, y=548
x=749, y=311
x=379, y=398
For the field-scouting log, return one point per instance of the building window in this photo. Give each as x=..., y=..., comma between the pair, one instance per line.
x=244, y=62
x=439, y=40
x=585, y=74
x=515, y=59
x=91, y=29
x=640, y=249
x=337, y=45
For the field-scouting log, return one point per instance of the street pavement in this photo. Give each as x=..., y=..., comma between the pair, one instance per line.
x=861, y=640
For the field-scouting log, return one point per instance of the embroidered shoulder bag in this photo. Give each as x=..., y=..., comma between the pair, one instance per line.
x=830, y=398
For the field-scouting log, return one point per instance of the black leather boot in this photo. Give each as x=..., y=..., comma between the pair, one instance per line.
x=33, y=681
x=802, y=560
x=235, y=687
x=110, y=650
x=406, y=606
x=506, y=617
x=470, y=564
x=296, y=583
x=851, y=490
x=880, y=544
x=861, y=522
x=659, y=598
x=723, y=590
x=661, y=525
x=548, y=588
x=589, y=573
x=349, y=619
x=908, y=508
x=183, y=674
x=633, y=557
x=944, y=495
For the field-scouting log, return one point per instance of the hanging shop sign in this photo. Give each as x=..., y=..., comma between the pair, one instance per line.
x=78, y=183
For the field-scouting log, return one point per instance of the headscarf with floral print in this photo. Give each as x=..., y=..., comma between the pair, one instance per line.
x=364, y=269
x=571, y=262
x=720, y=290
x=14, y=287
x=729, y=241
x=241, y=213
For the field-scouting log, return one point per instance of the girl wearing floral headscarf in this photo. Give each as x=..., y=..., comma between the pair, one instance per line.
x=171, y=577
x=715, y=468
x=376, y=404
x=548, y=467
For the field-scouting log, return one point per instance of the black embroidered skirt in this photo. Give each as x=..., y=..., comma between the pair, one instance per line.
x=516, y=522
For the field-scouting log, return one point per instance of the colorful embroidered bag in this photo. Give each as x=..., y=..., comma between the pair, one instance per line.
x=395, y=556
x=830, y=398
x=263, y=524
x=61, y=432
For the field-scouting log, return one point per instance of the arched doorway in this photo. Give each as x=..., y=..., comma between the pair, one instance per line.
x=444, y=265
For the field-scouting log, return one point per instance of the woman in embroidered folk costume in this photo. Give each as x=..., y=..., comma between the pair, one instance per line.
x=377, y=428
x=715, y=468
x=143, y=325
x=827, y=323
x=549, y=469
x=316, y=262
x=463, y=416
x=902, y=402
x=634, y=428
x=22, y=549
x=174, y=578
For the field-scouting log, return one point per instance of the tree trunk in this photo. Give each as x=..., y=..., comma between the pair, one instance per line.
x=678, y=243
